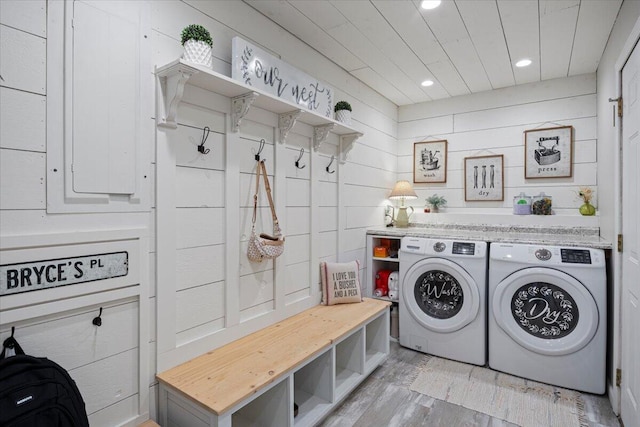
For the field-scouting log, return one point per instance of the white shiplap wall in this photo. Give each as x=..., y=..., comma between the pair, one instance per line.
x=323, y=215
x=108, y=363
x=494, y=123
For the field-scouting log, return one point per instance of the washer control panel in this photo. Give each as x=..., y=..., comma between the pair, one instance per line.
x=543, y=254
x=439, y=246
x=464, y=248
x=575, y=256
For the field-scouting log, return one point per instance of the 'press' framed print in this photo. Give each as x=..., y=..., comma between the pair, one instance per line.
x=548, y=152
x=484, y=178
x=430, y=161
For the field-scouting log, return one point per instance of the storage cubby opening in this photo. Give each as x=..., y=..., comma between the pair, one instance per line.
x=313, y=390
x=377, y=341
x=271, y=409
x=349, y=362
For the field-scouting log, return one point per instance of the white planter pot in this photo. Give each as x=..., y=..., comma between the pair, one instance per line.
x=344, y=116
x=198, y=52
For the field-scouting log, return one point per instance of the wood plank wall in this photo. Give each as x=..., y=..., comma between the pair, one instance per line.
x=324, y=216
x=494, y=123
x=345, y=203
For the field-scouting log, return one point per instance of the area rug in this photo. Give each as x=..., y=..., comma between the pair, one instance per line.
x=516, y=400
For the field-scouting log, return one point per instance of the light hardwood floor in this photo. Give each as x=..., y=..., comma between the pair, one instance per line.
x=384, y=399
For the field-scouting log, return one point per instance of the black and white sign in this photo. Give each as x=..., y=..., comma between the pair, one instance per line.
x=37, y=275
x=548, y=152
x=438, y=294
x=544, y=310
x=255, y=67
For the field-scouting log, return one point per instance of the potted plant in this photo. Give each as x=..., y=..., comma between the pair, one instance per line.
x=436, y=202
x=197, y=45
x=343, y=112
x=586, y=194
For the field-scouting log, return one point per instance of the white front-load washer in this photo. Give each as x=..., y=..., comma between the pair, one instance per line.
x=442, y=300
x=547, y=314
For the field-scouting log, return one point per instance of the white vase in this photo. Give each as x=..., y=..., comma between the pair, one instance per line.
x=198, y=52
x=344, y=116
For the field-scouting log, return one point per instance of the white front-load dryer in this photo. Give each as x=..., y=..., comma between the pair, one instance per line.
x=547, y=314
x=442, y=300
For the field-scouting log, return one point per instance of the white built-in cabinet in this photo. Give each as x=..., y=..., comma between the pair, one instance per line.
x=316, y=386
x=375, y=264
x=98, y=103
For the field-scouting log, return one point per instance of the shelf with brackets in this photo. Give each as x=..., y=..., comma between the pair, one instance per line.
x=175, y=75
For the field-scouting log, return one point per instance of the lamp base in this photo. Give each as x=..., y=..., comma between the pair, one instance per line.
x=402, y=219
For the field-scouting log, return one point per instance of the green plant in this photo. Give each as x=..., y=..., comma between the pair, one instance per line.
x=436, y=201
x=196, y=32
x=342, y=105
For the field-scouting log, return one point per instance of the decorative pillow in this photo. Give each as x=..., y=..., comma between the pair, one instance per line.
x=340, y=282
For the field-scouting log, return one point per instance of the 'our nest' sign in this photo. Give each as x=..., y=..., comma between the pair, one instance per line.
x=255, y=67
x=36, y=275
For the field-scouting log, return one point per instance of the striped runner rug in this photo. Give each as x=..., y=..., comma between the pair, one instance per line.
x=516, y=400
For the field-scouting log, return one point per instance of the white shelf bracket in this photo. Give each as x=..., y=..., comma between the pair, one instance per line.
x=286, y=121
x=320, y=134
x=346, y=144
x=173, y=88
x=240, y=106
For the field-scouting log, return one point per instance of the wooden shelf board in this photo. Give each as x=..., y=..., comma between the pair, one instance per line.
x=218, y=83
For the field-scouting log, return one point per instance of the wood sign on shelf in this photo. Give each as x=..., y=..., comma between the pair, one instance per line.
x=255, y=67
x=37, y=275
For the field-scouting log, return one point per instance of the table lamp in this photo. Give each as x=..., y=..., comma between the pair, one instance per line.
x=402, y=190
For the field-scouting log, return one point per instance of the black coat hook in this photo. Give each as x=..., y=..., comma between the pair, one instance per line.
x=299, y=158
x=201, y=149
x=329, y=165
x=98, y=320
x=257, y=156
x=11, y=344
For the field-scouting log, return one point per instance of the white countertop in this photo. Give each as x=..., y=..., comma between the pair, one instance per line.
x=555, y=236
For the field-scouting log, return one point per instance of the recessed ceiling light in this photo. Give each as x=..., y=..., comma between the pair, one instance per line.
x=430, y=4
x=523, y=63
x=427, y=83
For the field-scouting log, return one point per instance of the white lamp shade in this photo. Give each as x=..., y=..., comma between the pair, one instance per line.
x=403, y=190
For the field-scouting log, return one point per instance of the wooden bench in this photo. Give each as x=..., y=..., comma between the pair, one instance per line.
x=313, y=359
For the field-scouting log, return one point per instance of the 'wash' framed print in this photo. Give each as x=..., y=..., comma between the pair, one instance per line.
x=548, y=152
x=430, y=161
x=484, y=178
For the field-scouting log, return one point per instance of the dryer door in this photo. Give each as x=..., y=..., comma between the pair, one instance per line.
x=545, y=310
x=440, y=295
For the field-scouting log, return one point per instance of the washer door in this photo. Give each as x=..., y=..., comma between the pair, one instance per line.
x=440, y=295
x=546, y=311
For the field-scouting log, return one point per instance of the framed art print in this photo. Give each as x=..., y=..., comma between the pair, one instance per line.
x=548, y=152
x=430, y=161
x=484, y=178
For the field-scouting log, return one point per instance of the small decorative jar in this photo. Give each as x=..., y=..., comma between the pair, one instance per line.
x=587, y=209
x=522, y=205
x=541, y=204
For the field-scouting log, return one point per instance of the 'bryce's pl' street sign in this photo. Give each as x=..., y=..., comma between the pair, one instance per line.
x=37, y=275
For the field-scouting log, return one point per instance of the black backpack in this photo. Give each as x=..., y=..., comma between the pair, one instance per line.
x=35, y=391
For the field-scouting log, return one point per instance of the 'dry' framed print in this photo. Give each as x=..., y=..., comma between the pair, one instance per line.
x=548, y=152
x=430, y=161
x=484, y=178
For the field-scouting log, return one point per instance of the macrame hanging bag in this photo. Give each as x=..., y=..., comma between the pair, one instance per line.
x=264, y=245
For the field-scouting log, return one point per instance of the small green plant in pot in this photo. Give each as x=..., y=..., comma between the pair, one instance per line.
x=197, y=44
x=343, y=112
x=436, y=202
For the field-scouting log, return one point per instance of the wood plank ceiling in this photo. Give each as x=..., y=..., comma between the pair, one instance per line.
x=463, y=46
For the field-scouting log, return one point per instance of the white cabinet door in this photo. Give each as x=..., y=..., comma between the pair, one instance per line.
x=105, y=87
x=99, y=106
x=630, y=302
